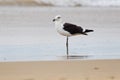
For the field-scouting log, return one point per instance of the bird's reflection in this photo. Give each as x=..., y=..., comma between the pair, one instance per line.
x=70, y=57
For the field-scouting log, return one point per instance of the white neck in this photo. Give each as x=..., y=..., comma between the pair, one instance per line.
x=60, y=20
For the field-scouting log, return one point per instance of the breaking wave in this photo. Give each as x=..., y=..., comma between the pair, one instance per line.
x=62, y=2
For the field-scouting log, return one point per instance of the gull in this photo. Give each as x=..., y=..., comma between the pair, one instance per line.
x=68, y=29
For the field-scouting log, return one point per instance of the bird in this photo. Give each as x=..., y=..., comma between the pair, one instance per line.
x=68, y=29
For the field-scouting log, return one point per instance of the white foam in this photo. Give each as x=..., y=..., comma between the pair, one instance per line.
x=75, y=2
x=82, y=2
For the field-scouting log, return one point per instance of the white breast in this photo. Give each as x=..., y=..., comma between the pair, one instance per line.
x=60, y=30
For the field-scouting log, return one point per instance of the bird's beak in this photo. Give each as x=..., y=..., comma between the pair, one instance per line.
x=53, y=20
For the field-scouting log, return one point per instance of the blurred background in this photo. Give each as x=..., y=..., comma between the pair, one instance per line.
x=73, y=3
x=27, y=32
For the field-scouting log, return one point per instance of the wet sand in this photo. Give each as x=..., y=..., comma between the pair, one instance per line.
x=61, y=70
x=26, y=33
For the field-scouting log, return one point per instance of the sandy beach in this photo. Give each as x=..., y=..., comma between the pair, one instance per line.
x=61, y=70
x=31, y=49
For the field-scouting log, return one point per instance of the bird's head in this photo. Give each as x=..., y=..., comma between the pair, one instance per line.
x=57, y=18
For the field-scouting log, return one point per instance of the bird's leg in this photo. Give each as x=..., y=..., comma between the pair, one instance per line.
x=67, y=46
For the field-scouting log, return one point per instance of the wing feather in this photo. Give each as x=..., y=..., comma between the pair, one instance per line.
x=72, y=28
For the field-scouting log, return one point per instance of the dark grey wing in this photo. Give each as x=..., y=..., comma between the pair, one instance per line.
x=73, y=29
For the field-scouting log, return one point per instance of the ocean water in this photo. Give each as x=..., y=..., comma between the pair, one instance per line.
x=28, y=34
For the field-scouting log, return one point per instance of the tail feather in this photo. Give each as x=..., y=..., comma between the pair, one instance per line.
x=87, y=31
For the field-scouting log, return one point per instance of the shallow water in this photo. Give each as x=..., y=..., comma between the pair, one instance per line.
x=28, y=34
